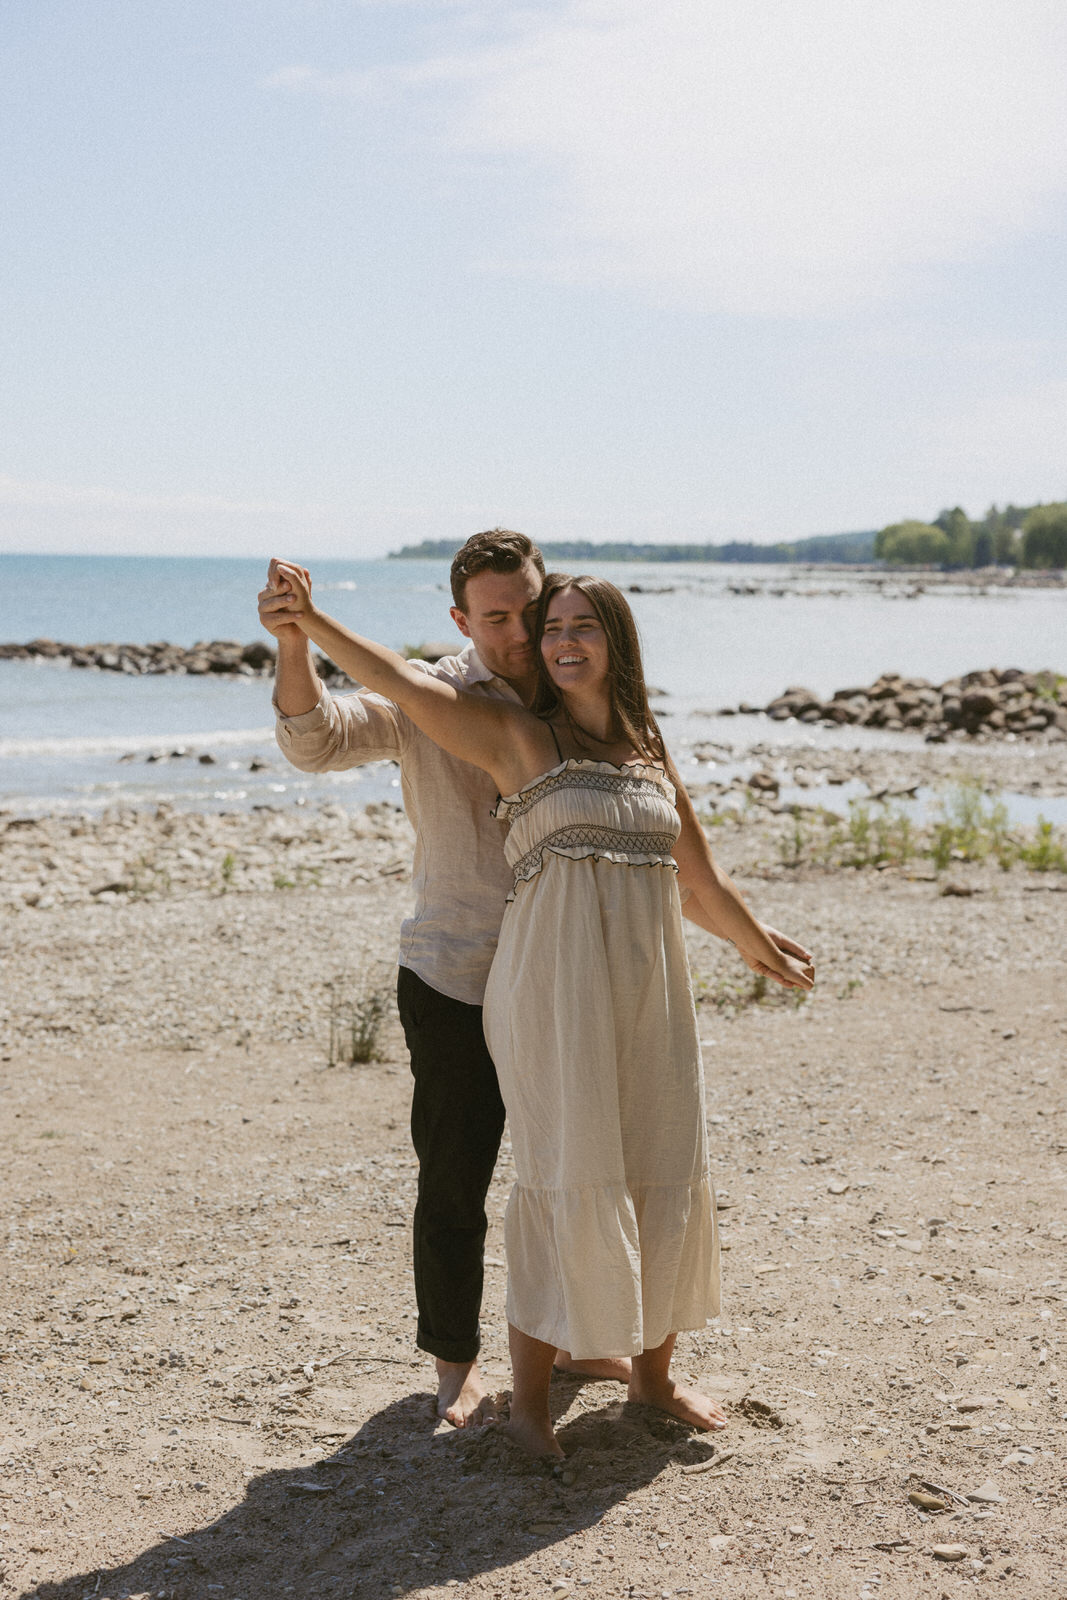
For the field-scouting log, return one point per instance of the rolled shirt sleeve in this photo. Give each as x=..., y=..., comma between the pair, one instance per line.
x=341, y=731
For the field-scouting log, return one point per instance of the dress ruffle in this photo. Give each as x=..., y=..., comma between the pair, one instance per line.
x=654, y=1246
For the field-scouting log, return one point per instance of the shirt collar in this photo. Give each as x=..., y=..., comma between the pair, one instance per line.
x=472, y=669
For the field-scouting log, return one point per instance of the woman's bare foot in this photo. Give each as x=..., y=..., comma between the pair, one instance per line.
x=462, y=1398
x=616, y=1369
x=688, y=1405
x=535, y=1436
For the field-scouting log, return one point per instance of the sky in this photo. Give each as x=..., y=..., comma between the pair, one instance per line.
x=325, y=277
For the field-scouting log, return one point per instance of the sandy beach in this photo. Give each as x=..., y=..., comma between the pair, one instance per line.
x=209, y=1380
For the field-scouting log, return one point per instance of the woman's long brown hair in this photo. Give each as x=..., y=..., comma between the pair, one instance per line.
x=630, y=711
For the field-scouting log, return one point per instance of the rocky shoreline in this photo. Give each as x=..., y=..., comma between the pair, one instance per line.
x=990, y=703
x=208, y=657
x=221, y=657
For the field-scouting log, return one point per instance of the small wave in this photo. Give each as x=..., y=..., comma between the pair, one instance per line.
x=219, y=739
x=342, y=583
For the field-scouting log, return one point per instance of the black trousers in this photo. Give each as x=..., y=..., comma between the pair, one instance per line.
x=457, y=1118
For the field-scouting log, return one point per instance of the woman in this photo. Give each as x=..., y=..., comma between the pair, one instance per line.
x=589, y=1015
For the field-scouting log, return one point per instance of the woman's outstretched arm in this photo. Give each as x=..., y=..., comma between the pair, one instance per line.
x=503, y=739
x=721, y=908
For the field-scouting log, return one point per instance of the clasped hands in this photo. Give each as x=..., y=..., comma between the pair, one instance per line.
x=283, y=601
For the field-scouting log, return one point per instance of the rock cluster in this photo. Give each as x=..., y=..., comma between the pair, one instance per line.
x=228, y=657
x=988, y=704
x=215, y=655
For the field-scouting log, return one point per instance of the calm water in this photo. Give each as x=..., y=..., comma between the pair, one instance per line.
x=79, y=740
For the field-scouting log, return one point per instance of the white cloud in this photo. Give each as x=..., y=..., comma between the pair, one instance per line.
x=754, y=156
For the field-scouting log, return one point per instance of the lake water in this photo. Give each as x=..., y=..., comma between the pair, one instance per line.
x=714, y=635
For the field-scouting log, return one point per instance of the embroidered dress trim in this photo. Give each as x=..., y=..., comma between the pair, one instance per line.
x=617, y=781
x=594, y=839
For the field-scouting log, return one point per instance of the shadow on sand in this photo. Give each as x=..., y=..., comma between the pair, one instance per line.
x=396, y=1510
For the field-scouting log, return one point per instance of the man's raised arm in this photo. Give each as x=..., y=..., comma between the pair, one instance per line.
x=315, y=730
x=297, y=685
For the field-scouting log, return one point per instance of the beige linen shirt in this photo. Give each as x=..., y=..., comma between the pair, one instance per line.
x=460, y=877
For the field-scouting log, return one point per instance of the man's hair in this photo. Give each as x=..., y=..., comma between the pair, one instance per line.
x=496, y=550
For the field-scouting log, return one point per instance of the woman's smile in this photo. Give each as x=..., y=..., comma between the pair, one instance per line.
x=573, y=637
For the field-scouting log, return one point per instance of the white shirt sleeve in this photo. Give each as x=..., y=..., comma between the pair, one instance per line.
x=342, y=731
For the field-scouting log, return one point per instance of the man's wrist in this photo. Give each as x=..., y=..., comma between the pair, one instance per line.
x=292, y=643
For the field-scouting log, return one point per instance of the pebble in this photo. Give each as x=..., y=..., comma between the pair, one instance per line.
x=837, y=1186
x=949, y=1552
x=927, y=1502
x=976, y=1402
x=986, y=1494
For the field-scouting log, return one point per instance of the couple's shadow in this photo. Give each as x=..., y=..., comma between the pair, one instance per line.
x=398, y=1509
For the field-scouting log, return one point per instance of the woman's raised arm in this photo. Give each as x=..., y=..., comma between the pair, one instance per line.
x=503, y=739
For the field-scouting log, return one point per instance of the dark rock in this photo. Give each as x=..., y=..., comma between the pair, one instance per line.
x=259, y=654
x=978, y=703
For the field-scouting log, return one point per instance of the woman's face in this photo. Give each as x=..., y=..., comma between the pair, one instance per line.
x=574, y=646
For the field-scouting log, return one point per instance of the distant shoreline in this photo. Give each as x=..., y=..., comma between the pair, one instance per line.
x=846, y=549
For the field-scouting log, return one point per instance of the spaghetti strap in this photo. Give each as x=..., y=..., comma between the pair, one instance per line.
x=555, y=741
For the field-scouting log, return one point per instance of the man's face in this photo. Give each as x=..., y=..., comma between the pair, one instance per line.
x=498, y=617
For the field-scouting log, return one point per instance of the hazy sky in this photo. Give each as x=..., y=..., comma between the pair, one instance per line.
x=325, y=276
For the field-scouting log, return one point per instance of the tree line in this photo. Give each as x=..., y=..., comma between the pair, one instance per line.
x=1012, y=536
x=1008, y=536
x=836, y=547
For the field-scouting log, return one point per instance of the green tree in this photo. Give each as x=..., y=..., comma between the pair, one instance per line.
x=983, y=548
x=1045, y=536
x=913, y=544
x=957, y=526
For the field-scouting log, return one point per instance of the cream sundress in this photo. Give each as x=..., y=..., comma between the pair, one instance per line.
x=610, y=1228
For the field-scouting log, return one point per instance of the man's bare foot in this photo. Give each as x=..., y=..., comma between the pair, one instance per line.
x=462, y=1398
x=534, y=1436
x=688, y=1405
x=616, y=1369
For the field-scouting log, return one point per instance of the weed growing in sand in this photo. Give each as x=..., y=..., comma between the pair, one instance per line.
x=972, y=827
x=301, y=879
x=1044, y=852
x=969, y=825
x=147, y=879
x=731, y=994
x=357, y=1015
x=227, y=870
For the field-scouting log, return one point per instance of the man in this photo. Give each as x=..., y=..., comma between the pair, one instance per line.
x=461, y=881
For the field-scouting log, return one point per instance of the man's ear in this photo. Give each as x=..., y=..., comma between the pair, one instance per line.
x=461, y=622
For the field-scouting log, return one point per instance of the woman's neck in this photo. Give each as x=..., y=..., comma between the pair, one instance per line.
x=591, y=715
